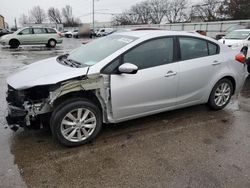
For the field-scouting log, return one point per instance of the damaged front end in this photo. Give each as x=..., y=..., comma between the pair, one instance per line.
x=31, y=108
x=26, y=107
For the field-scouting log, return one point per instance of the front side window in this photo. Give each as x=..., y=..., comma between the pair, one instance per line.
x=39, y=31
x=152, y=53
x=26, y=31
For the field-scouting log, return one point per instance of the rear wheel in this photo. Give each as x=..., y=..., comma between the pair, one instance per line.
x=52, y=43
x=14, y=43
x=76, y=122
x=221, y=94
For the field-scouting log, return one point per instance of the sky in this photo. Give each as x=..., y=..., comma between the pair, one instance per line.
x=12, y=9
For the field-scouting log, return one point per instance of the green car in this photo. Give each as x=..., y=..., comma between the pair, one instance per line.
x=32, y=35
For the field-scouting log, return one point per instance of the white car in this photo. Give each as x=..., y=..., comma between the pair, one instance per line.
x=237, y=39
x=32, y=35
x=121, y=77
x=104, y=31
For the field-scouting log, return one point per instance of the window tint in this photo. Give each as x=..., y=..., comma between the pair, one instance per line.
x=26, y=31
x=50, y=30
x=39, y=30
x=150, y=54
x=212, y=48
x=192, y=48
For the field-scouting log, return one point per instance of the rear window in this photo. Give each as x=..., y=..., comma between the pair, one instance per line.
x=50, y=30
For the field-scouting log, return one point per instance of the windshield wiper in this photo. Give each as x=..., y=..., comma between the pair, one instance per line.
x=75, y=63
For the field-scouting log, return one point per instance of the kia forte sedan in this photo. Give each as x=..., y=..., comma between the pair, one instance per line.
x=121, y=77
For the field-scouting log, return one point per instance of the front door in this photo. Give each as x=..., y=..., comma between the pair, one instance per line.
x=25, y=36
x=153, y=88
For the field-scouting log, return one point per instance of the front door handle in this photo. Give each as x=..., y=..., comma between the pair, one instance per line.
x=216, y=63
x=170, y=73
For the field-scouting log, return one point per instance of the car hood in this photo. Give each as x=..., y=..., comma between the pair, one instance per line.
x=44, y=72
x=231, y=41
x=7, y=36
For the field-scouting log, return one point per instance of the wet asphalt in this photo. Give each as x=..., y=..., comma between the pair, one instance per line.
x=188, y=148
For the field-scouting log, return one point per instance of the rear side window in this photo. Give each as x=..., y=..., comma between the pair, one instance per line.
x=152, y=53
x=39, y=30
x=192, y=48
x=212, y=48
x=50, y=30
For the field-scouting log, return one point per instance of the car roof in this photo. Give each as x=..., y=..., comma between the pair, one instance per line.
x=155, y=33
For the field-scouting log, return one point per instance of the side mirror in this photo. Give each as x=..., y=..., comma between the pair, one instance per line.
x=128, y=68
x=20, y=33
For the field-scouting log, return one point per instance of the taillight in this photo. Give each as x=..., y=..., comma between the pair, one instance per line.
x=240, y=58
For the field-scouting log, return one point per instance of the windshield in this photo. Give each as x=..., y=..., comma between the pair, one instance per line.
x=17, y=31
x=238, y=35
x=95, y=51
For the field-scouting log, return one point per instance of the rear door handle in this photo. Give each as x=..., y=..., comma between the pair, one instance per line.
x=170, y=73
x=216, y=63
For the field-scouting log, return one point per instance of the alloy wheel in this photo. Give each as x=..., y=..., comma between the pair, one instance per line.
x=78, y=125
x=222, y=94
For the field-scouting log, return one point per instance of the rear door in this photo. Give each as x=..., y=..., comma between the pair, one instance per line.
x=200, y=63
x=153, y=88
x=40, y=36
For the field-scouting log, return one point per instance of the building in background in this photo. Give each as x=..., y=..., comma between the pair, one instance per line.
x=2, y=23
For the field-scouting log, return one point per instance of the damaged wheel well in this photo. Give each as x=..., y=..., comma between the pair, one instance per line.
x=84, y=94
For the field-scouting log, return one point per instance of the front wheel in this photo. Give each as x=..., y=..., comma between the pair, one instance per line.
x=221, y=94
x=76, y=122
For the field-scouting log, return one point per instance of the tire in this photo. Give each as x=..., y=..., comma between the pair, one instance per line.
x=14, y=43
x=221, y=94
x=76, y=132
x=52, y=43
x=70, y=36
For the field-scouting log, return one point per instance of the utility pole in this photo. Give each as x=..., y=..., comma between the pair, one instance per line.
x=15, y=24
x=93, y=21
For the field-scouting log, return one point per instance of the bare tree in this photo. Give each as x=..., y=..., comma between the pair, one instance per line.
x=54, y=15
x=37, y=15
x=209, y=11
x=177, y=11
x=141, y=12
x=23, y=19
x=237, y=9
x=158, y=9
x=67, y=14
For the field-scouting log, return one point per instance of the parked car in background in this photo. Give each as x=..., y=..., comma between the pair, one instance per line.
x=121, y=77
x=232, y=28
x=31, y=36
x=104, y=31
x=74, y=33
x=68, y=34
x=237, y=39
x=5, y=32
